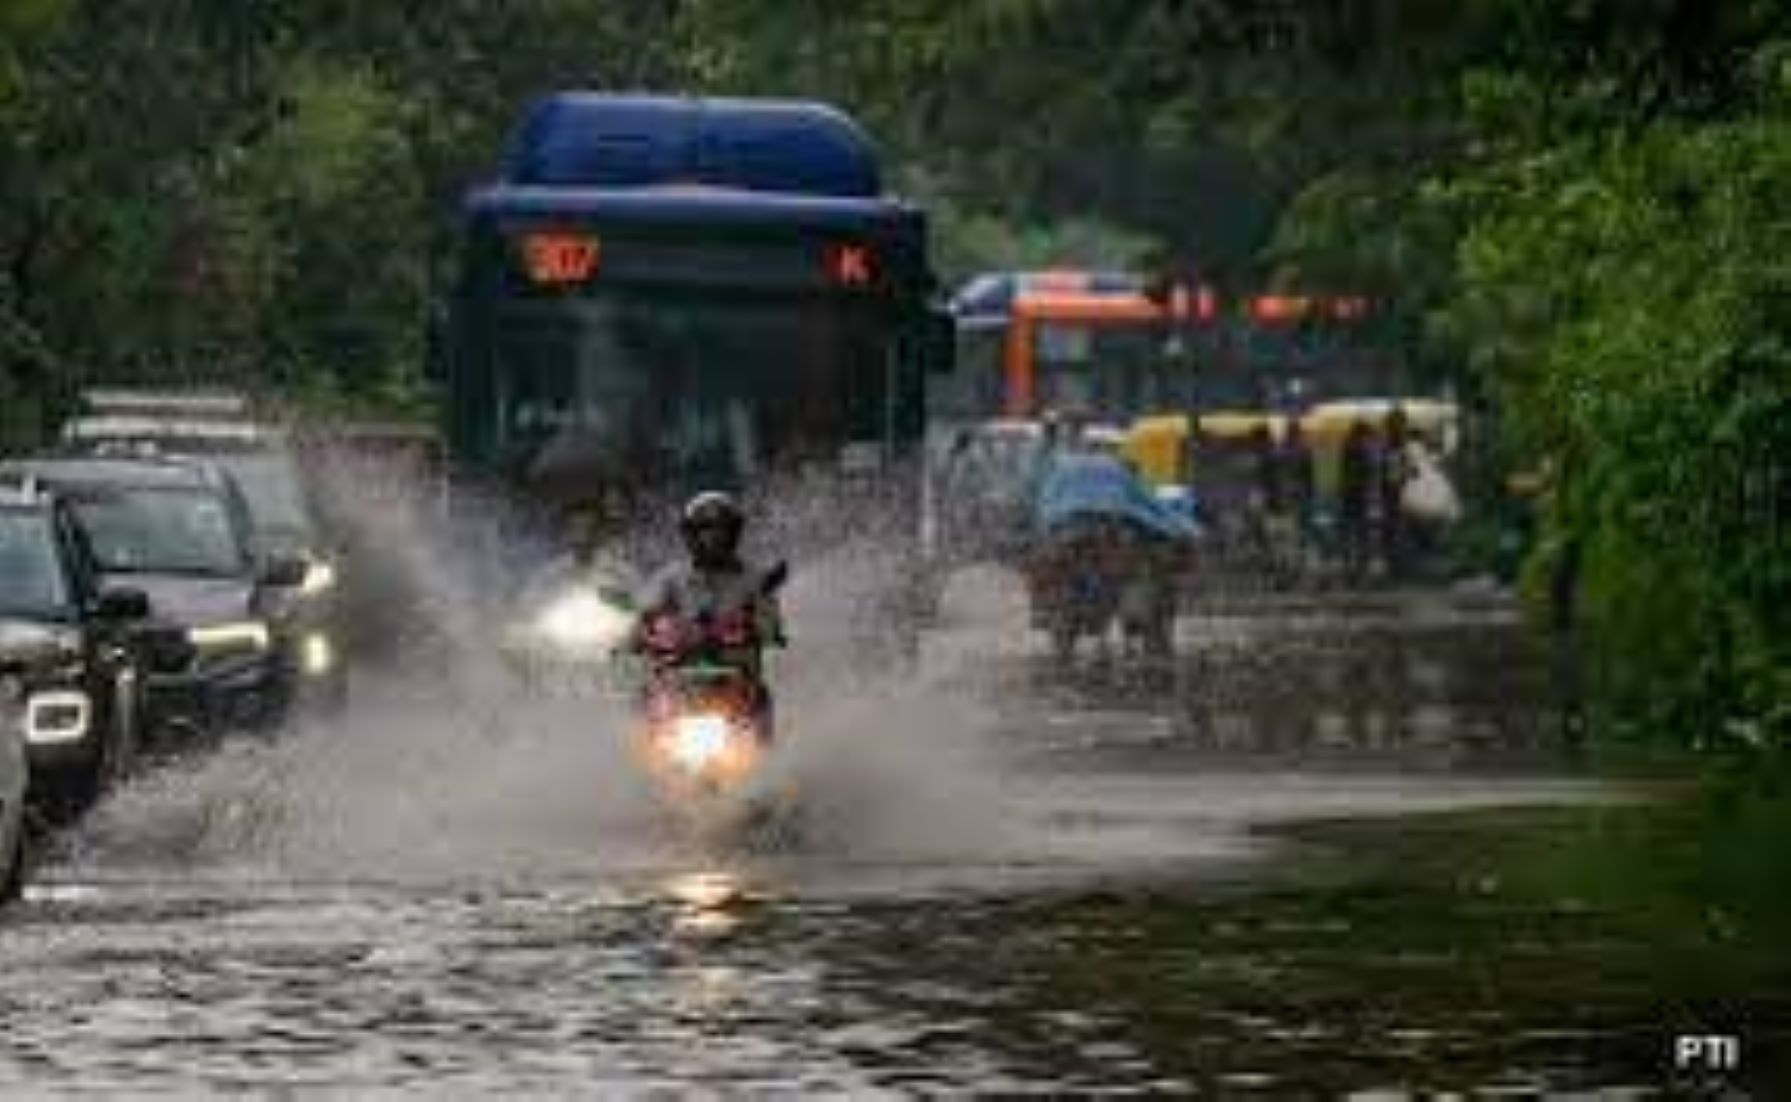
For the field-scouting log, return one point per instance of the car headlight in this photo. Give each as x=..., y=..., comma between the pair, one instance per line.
x=62, y=715
x=583, y=620
x=699, y=740
x=317, y=654
x=40, y=641
x=248, y=633
x=320, y=578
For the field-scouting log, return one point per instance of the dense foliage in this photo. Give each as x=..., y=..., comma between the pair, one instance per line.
x=1581, y=203
x=1621, y=282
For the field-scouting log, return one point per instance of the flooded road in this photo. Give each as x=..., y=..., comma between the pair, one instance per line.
x=1005, y=882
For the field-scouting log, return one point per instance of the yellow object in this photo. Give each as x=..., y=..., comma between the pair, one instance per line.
x=1154, y=446
x=1157, y=445
x=1232, y=425
x=1330, y=422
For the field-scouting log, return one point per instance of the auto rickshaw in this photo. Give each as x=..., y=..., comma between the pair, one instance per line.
x=1224, y=467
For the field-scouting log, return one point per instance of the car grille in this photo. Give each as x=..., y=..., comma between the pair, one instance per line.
x=222, y=656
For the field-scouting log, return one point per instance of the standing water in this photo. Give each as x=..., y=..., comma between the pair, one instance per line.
x=1004, y=880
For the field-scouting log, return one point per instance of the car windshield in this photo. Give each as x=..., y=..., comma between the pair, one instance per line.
x=161, y=531
x=271, y=483
x=31, y=581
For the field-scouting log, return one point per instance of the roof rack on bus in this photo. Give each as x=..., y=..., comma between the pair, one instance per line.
x=576, y=139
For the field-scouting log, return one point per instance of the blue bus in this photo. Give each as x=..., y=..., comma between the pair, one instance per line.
x=661, y=294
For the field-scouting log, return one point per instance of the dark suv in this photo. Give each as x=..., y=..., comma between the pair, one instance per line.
x=179, y=531
x=280, y=496
x=78, y=654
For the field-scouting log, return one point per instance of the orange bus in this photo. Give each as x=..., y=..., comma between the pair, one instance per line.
x=1032, y=341
x=1097, y=341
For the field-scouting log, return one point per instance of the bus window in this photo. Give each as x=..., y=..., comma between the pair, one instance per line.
x=693, y=390
x=1112, y=372
x=1060, y=343
x=537, y=386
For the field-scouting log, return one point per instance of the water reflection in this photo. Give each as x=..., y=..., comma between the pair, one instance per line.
x=708, y=904
x=1425, y=690
x=1078, y=949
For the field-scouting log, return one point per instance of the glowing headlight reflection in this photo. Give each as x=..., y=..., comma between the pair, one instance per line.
x=317, y=655
x=583, y=619
x=248, y=633
x=699, y=740
x=320, y=577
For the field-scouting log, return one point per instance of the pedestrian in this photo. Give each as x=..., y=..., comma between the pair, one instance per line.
x=1299, y=490
x=1392, y=470
x=1354, y=494
x=1265, y=502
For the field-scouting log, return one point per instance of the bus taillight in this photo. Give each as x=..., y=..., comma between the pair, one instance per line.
x=557, y=258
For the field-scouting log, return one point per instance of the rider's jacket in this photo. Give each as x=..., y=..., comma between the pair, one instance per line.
x=729, y=609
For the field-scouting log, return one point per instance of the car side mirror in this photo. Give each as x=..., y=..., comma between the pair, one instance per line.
x=167, y=648
x=284, y=572
x=123, y=605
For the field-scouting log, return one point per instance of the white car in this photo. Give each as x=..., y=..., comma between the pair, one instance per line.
x=13, y=775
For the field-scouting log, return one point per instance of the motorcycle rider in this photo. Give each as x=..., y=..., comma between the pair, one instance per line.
x=714, y=584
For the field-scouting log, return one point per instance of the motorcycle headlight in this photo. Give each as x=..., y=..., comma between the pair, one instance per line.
x=699, y=740
x=58, y=716
x=251, y=634
x=583, y=620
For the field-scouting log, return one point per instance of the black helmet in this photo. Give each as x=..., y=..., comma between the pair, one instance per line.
x=711, y=524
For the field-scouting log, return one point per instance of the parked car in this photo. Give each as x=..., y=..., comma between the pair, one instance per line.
x=14, y=778
x=179, y=530
x=75, y=656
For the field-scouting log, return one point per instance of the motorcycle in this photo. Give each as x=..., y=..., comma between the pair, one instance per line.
x=707, y=721
x=1076, y=580
x=1106, y=550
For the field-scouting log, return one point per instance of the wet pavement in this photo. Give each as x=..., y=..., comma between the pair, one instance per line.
x=1006, y=881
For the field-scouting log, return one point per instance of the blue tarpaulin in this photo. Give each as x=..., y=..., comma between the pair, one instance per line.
x=1100, y=485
